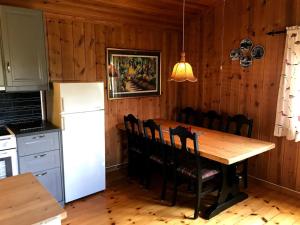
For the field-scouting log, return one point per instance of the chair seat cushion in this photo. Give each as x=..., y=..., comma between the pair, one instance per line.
x=192, y=172
x=156, y=159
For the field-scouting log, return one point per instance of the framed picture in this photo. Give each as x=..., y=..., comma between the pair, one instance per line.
x=133, y=73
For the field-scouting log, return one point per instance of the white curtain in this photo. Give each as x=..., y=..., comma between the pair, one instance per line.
x=288, y=103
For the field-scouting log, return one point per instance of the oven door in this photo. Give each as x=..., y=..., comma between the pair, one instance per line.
x=8, y=163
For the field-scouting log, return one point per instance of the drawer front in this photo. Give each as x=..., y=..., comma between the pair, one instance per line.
x=51, y=180
x=37, y=143
x=39, y=162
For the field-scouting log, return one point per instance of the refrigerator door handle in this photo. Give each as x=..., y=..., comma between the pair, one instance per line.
x=62, y=105
x=62, y=123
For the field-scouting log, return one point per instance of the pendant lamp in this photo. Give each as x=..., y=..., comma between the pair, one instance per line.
x=183, y=71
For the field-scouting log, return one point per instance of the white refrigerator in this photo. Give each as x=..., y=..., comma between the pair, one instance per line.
x=78, y=108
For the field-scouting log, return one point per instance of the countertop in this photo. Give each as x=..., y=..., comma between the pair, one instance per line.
x=24, y=201
x=36, y=127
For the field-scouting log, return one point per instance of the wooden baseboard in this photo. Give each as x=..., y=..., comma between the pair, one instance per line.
x=274, y=187
x=116, y=167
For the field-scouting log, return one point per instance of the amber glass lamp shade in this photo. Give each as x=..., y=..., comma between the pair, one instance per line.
x=182, y=71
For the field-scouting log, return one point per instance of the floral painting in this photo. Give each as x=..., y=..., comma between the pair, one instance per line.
x=132, y=73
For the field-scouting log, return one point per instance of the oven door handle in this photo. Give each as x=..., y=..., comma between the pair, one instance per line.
x=5, y=139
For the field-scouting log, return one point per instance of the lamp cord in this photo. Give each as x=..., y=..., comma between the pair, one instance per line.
x=222, y=57
x=183, y=25
x=222, y=38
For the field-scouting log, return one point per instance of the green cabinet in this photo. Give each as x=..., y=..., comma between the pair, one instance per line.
x=24, y=61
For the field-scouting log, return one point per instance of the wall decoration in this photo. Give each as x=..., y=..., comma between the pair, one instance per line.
x=247, y=53
x=246, y=61
x=235, y=54
x=246, y=44
x=133, y=73
x=257, y=52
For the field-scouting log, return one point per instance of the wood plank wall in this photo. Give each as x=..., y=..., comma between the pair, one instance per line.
x=251, y=91
x=77, y=51
x=77, y=40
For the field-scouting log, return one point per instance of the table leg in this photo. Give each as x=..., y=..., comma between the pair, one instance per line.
x=229, y=194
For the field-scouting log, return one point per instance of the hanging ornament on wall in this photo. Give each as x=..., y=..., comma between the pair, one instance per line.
x=257, y=52
x=246, y=53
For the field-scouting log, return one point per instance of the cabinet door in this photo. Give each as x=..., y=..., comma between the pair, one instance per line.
x=24, y=48
x=90, y=96
x=51, y=179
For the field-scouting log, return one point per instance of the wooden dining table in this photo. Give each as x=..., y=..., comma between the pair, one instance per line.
x=226, y=149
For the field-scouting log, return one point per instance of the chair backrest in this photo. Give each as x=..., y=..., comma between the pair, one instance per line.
x=213, y=120
x=224, y=122
x=154, y=141
x=240, y=121
x=199, y=118
x=182, y=154
x=184, y=134
x=133, y=131
x=153, y=128
x=132, y=124
x=187, y=115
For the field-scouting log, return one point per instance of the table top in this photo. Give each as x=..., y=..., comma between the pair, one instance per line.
x=23, y=201
x=219, y=146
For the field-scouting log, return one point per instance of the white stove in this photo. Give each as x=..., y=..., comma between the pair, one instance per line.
x=8, y=153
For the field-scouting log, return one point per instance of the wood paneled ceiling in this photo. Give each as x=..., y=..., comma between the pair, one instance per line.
x=167, y=12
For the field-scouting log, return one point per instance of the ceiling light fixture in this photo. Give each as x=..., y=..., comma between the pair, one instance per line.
x=183, y=71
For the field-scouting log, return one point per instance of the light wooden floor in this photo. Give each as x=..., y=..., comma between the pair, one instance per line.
x=126, y=202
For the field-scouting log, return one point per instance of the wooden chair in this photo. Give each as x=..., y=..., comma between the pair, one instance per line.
x=188, y=165
x=135, y=143
x=187, y=115
x=156, y=152
x=236, y=125
x=224, y=122
x=212, y=120
x=199, y=118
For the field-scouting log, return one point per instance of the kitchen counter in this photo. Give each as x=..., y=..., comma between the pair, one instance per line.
x=24, y=201
x=32, y=128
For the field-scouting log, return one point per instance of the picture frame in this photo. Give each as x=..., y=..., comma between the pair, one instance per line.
x=133, y=73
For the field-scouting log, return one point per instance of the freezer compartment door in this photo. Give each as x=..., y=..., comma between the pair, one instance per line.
x=83, y=154
x=81, y=97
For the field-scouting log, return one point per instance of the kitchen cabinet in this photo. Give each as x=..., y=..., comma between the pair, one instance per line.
x=40, y=153
x=24, y=61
